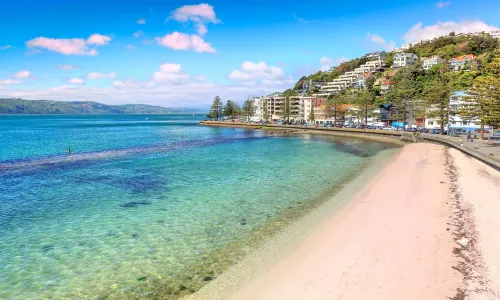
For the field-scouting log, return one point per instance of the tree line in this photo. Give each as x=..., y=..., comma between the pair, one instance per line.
x=231, y=110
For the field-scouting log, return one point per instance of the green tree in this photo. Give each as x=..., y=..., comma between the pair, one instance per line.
x=285, y=109
x=265, y=112
x=248, y=109
x=364, y=100
x=483, y=102
x=437, y=97
x=216, y=108
x=312, y=118
x=369, y=83
x=403, y=93
x=333, y=107
x=229, y=109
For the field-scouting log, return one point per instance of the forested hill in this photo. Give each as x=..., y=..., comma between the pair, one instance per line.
x=20, y=106
x=445, y=47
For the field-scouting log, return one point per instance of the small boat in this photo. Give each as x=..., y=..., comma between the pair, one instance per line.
x=146, y=118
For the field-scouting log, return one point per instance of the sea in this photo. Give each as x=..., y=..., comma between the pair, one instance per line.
x=150, y=206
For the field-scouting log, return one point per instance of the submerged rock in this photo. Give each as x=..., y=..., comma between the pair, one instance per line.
x=47, y=247
x=135, y=203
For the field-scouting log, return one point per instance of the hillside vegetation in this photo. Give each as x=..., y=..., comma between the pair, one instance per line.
x=20, y=106
x=446, y=47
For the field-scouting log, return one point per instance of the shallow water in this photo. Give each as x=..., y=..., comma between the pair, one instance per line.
x=143, y=204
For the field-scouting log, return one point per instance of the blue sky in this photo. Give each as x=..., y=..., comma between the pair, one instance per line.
x=175, y=53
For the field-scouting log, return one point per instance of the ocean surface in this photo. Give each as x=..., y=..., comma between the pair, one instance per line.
x=149, y=206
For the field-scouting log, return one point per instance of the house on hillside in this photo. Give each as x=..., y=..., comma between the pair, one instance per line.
x=361, y=83
x=377, y=55
x=385, y=86
x=463, y=62
x=495, y=34
x=404, y=59
x=432, y=61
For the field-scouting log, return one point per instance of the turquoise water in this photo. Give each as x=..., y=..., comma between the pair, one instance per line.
x=146, y=208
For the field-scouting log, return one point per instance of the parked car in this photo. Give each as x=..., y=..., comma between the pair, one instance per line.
x=339, y=126
x=435, y=131
x=485, y=131
x=496, y=133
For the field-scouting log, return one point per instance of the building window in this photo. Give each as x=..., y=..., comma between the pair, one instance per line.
x=431, y=123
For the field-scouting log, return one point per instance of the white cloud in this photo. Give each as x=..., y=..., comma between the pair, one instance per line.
x=130, y=47
x=5, y=47
x=76, y=81
x=325, y=62
x=200, y=15
x=141, y=21
x=170, y=73
x=98, y=39
x=256, y=71
x=95, y=75
x=173, y=89
x=76, y=46
x=138, y=34
x=442, y=4
x=67, y=67
x=181, y=41
x=201, y=78
x=418, y=33
x=9, y=81
x=2, y=87
x=381, y=42
x=22, y=74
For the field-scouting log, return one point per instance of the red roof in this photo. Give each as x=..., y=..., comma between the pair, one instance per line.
x=387, y=82
x=465, y=57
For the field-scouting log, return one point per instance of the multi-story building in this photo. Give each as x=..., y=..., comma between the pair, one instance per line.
x=495, y=34
x=349, y=79
x=404, y=59
x=462, y=62
x=432, y=61
x=458, y=102
x=272, y=106
x=377, y=55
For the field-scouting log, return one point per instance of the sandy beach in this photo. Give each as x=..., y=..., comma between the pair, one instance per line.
x=425, y=227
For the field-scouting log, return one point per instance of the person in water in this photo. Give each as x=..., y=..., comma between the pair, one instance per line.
x=69, y=151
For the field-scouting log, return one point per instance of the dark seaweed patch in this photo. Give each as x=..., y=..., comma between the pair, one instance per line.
x=135, y=203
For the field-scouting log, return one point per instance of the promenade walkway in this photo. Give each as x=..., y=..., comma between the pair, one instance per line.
x=484, y=150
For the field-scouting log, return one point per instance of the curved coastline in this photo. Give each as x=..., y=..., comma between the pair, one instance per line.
x=296, y=226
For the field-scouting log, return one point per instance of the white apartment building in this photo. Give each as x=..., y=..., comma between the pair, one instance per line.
x=349, y=79
x=300, y=108
x=432, y=61
x=495, y=34
x=455, y=121
x=404, y=59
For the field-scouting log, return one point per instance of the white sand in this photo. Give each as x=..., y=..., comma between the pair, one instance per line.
x=405, y=235
x=479, y=191
x=390, y=242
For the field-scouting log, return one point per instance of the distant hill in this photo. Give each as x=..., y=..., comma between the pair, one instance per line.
x=21, y=106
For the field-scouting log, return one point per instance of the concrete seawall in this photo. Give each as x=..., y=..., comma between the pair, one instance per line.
x=389, y=136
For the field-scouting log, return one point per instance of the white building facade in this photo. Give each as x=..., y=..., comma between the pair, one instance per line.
x=404, y=59
x=432, y=61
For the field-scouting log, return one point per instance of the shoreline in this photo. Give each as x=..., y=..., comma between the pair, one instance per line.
x=286, y=240
x=396, y=137
x=433, y=237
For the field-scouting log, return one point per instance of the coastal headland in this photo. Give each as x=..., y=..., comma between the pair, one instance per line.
x=423, y=226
